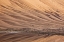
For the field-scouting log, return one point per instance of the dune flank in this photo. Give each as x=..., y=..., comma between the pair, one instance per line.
x=34, y=14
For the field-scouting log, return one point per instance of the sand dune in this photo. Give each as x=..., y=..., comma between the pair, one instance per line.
x=35, y=14
x=30, y=38
x=32, y=13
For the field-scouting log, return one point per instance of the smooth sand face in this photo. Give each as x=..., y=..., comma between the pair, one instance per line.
x=51, y=39
x=36, y=14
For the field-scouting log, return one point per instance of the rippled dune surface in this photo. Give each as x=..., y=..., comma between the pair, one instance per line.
x=34, y=14
x=30, y=38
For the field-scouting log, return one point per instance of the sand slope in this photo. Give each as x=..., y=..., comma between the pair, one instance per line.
x=36, y=14
x=31, y=13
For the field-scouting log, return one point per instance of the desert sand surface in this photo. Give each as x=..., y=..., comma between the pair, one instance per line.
x=30, y=38
x=34, y=14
